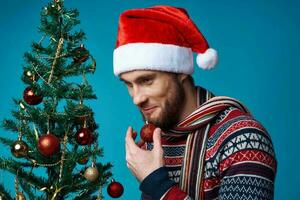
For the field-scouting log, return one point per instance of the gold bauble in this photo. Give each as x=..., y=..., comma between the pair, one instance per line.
x=29, y=75
x=19, y=149
x=91, y=173
x=20, y=196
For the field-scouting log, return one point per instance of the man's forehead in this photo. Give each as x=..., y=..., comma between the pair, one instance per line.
x=133, y=75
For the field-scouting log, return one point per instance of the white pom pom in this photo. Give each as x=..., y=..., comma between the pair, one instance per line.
x=208, y=59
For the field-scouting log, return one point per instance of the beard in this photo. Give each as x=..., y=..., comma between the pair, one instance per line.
x=171, y=111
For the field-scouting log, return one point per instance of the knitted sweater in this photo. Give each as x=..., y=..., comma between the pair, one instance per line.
x=239, y=163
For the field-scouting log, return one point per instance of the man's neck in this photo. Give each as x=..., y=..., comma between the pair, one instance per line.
x=190, y=103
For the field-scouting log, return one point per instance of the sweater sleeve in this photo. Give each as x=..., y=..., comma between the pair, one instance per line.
x=247, y=163
x=156, y=184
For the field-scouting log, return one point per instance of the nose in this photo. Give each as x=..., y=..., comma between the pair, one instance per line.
x=138, y=96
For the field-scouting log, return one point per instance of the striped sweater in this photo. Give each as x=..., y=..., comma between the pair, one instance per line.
x=239, y=162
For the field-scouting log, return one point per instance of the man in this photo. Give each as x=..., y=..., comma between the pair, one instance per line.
x=205, y=147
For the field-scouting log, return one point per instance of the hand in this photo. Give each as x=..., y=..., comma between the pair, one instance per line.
x=142, y=162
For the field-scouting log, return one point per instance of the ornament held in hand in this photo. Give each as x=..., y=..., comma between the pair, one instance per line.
x=147, y=132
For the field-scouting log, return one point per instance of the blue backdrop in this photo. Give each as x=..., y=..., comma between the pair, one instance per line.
x=257, y=43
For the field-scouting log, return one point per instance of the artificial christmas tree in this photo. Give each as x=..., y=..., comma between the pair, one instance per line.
x=56, y=130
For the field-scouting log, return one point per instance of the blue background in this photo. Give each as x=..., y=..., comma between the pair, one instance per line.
x=258, y=44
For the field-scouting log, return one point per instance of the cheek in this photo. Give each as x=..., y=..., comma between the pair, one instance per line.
x=160, y=94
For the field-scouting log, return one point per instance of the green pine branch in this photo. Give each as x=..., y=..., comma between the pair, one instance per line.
x=59, y=55
x=4, y=193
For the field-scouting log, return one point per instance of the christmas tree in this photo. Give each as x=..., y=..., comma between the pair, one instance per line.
x=55, y=148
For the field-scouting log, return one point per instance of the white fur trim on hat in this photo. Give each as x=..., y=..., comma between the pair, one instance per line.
x=208, y=59
x=153, y=56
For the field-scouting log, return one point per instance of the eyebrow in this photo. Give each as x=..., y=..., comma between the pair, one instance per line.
x=140, y=78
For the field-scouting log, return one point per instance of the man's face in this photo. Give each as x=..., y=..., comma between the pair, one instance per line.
x=158, y=95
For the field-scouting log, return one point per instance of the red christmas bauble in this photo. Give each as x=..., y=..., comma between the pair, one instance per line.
x=81, y=54
x=115, y=189
x=147, y=132
x=84, y=136
x=134, y=134
x=30, y=97
x=48, y=144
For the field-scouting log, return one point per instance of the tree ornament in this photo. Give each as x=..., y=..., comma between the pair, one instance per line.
x=20, y=196
x=45, y=11
x=83, y=160
x=48, y=144
x=29, y=75
x=19, y=149
x=81, y=119
x=81, y=54
x=91, y=173
x=147, y=132
x=30, y=97
x=84, y=136
x=63, y=154
x=134, y=134
x=115, y=189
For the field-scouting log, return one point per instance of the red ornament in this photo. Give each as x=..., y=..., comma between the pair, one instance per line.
x=30, y=97
x=84, y=136
x=115, y=189
x=147, y=132
x=134, y=134
x=81, y=54
x=48, y=144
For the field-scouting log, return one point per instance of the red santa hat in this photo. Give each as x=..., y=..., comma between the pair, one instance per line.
x=160, y=38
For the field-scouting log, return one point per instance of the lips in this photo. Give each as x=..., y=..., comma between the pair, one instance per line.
x=148, y=110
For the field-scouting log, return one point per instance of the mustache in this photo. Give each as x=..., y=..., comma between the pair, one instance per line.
x=145, y=105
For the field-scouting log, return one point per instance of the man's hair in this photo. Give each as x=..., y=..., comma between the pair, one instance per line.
x=191, y=80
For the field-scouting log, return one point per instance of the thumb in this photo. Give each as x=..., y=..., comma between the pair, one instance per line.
x=157, y=139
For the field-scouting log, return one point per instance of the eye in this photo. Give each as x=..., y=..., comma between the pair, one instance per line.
x=147, y=81
x=129, y=85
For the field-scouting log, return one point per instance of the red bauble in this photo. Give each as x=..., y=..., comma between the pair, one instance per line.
x=81, y=54
x=30, y=97
x=115, y=189
x=134, y=134
x=84, y=136
x=147, y=132
x=48, y=144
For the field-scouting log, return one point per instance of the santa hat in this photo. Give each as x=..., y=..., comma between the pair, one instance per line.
x=160, y=38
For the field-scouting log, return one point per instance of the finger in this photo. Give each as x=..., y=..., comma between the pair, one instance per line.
x=157, y=139
x=129, y=140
